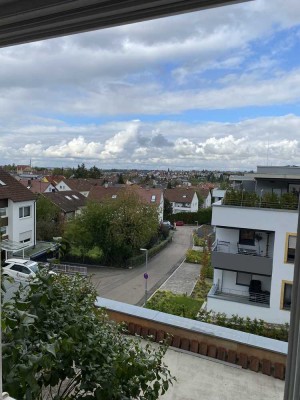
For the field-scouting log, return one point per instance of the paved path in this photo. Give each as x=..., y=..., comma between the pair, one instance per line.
x=128, y=286
x=183, y=279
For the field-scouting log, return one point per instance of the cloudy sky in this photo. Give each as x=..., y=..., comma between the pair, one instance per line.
x=216, y=89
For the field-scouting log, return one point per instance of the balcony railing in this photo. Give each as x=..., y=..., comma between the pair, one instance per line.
x=288, y=201
x=239, y=296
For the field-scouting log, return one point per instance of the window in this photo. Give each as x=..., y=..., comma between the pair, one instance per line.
x=286, y=295
x=290, y=248
x=25, y=237
x=243, y=279
x=24, y=212
x=2, y=183
x=2, y=212
x=247, y=236
x=17, y=268
x=68, y=197
x=75, y=197
x=3, y=230
x=114, y=196
x=153, y=198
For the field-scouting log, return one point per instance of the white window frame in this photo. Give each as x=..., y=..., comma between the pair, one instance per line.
x=22, y=212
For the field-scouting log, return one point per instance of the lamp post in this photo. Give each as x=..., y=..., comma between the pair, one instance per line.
x=146, y=274
x=261, y=193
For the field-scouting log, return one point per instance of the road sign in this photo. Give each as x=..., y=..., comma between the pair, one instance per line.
x=146, y=276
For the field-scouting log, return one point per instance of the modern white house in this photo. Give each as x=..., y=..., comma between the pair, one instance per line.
x=17, y=213
x=253, y=254
x=182, y=200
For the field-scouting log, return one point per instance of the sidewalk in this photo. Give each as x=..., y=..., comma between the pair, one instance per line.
x=183, y=279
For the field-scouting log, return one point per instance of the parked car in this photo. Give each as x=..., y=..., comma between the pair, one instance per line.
x=179, y=223
x=20, y=269
x=168, y=224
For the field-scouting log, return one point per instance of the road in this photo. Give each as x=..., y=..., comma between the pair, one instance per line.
x=128, y=285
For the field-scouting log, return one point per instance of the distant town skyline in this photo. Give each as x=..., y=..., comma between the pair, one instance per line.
x=217, y=89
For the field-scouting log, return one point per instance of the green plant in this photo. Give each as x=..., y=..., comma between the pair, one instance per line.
x=193, y=256
x=255, y=326
x=175, y=304
x=57, y=345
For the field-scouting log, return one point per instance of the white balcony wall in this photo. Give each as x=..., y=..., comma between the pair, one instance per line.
x=246, y=310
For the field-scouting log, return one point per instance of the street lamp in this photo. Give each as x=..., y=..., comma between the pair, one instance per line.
x=146, y=274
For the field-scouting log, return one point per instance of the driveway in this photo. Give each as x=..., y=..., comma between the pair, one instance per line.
x=128, y=285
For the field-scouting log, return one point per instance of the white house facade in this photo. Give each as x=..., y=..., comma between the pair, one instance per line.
x=182, y=200
x=17, y=211
x=253, y=254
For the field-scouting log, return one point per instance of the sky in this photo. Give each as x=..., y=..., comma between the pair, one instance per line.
x=215, y=89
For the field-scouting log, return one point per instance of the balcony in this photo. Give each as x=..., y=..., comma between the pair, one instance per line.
x=239, y=296
x=230, y=257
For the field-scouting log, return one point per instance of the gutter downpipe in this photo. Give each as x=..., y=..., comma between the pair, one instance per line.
x=292, y=381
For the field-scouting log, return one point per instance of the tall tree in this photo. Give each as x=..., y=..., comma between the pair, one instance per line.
x=119, y=227
x=48, y=219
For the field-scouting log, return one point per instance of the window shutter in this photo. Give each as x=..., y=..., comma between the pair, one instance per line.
x=292, y=242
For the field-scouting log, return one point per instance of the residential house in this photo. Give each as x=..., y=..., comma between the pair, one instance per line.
x=69, y=202
x=182, y=199
x=37, y=186
x=253, y=255
x=80, y=185
x=217, y=194
x=147, y=195
x=17, y=211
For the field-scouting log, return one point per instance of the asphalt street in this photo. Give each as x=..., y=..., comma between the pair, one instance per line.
x=128, y=285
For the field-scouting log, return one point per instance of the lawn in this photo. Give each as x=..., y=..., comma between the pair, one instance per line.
x=175, y=304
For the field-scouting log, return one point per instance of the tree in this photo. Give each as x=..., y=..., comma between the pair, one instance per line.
x=121, y=180
x=57, y=345
x=119, y=227
x=168, y=209
x=48, y=219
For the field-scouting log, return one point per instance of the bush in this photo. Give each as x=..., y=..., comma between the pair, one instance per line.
x=193, y=256
x=255, y=326
x=175, y=304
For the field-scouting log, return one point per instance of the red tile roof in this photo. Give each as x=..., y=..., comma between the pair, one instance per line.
x=100, y=193
x=179, y=195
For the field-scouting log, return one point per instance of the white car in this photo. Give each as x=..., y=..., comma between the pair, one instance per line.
x=20, y=269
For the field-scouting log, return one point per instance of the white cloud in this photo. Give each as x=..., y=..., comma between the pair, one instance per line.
x=208, y=145
x=208, y=60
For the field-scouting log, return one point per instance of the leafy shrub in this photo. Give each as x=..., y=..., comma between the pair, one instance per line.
x=193, y=256
x=175, y=304
x=254, y=326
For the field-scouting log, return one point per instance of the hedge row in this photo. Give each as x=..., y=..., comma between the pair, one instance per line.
x=140, y=259
x=203, y=216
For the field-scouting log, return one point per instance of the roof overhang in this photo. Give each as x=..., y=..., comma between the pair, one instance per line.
x=23, y=21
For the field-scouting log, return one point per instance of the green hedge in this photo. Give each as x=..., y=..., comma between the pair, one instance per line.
x=203, y=216
x=255, y=326
x=140, y=259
